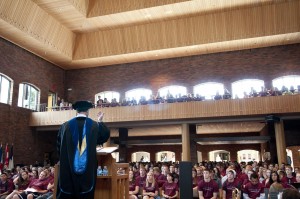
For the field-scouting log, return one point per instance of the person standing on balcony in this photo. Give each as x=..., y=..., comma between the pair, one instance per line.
x=76, y=143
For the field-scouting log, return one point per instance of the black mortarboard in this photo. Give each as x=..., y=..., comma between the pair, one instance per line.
x=82, y=106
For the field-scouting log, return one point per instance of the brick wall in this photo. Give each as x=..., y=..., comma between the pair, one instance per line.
x=22, y=66
x=263, y=63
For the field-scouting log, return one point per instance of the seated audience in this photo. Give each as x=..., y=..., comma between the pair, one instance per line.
x=133, y=102
x=99, y=101
x=207, y=188
x=290, y=194
x=133, y=187
x=254, y=189
x=105, y=103
x=275, y=184
x=298, y=177
x=217, y=96
x=50, y=188
x=170, y=188
x=231, y=184
x=21, y=183
x=6, y=186
x=288, y=178
x=36, y=187
x=114, y=103
x=195, y=183
x=150, y=189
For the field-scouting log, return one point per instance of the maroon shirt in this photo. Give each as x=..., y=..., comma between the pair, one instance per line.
x=228, y=187
x=161, y=180
x=254, y=191
x=208, y=188
x=170, y=188
x=243, y=177
x=132, y=186
x=39, y=184
x=246, y=181
x=140, y=181
x=288, y=180
x=150, y=188
x=199, y=179
x=6, y=186
x=24, y=185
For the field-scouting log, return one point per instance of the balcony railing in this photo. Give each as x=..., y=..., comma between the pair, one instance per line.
x=283, y=105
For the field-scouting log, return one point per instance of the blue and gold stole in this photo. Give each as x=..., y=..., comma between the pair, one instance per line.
x=80, y=153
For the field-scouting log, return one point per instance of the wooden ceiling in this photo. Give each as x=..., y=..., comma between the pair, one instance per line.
x=89, y=33
x=230, y=127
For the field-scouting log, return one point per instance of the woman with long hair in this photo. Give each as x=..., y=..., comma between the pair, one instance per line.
x=150, y=190
x=275, y=184
x=21, y=183
x=267, y=175
x=133, y=187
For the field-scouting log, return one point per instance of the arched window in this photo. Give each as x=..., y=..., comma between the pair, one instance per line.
x=209, y=89
x=239, y=88
x=29, y=96
x=109, y=95
x=6, y=85
x=287, y=81
x=174, y=90
x=138, y=93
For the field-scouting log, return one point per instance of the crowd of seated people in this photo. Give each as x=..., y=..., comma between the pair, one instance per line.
x=160, y=180
x=169, y=98
x=61, y=105
x=212, y=179
x=272, y=92
x=27, y=182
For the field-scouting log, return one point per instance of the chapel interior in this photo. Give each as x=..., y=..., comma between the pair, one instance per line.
x=79, y=50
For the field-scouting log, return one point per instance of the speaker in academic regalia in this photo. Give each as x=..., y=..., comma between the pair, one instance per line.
x=185, y=182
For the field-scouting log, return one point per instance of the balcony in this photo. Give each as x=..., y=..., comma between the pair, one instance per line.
x=184, y=112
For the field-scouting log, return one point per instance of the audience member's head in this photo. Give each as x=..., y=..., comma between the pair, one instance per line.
x=298, y=177
x=290, y=194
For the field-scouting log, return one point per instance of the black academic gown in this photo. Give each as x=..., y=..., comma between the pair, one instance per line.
x=70, y=184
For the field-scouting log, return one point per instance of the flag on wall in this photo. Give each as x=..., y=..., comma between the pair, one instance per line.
x=6, y=157
x=1, y=157
x=11, y=158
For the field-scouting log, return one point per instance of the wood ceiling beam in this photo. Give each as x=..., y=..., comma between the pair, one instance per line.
x=107, y=7
x=150, y=131
x=29, y=26
x=230, y=127
x=70, y=13
x=193, y=28
x=253, y=27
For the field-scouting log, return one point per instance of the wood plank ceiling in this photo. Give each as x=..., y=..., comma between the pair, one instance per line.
x=89, y=33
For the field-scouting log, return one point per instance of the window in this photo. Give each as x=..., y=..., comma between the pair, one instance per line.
x=175, y=91
x=245, y=85
x=5, y=89
x=28, y=96
x=287, y=81
x=209, y=89
x=138, y=93
x=109, y=95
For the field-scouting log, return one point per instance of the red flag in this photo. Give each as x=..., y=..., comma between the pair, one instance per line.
x=6, y=156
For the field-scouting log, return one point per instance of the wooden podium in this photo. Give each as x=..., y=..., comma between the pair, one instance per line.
x=115, y=185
